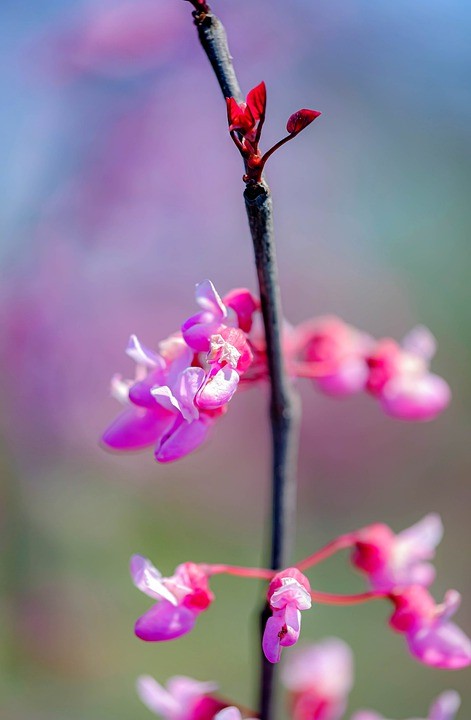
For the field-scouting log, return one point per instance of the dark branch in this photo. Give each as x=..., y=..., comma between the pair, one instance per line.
x=284, y=408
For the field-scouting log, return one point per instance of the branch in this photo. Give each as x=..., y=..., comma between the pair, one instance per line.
x=284, y=407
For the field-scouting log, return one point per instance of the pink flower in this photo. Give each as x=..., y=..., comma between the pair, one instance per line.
x=319, y=678
x=182, y=699
x=235, y=311
x=430, y=636
x=399, y=376
x=391, y=560
x=178, y=392
x=181, y=598
x=161, y=400
x=444, y=707
x=338, y=350
x=288, y=593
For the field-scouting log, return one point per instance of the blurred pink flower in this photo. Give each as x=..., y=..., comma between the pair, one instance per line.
x=399, y=376
x=318, y=679
x=182, y=597
x=329, y=343
x=182, y=699
x=444, y=707
x=288, y=593
x=391, y=560
x=431, y=638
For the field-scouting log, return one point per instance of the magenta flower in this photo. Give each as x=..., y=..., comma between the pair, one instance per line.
x=181, y=598
x=399, y=376
x=391, y=560
x=182, y=699
x=444, y=707
x=161, y=402
x=338, y=350
x=288, y=593
x=431, y=638
x=179, y=392
x=319, y=678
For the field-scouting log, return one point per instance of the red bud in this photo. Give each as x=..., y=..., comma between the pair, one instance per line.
x=301, y=119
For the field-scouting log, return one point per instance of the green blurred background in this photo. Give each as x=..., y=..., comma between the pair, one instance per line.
x=121, y=191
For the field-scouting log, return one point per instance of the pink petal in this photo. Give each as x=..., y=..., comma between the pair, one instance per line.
x=244, y=305
x=209, y=300
x=291, y=592
x=271, y=638
x=135, y=429
x=415, y=398
x=148, y=579
x=420, y=341
x=198, y=329
x=441, y=645
x=157, y=698
x=164, y=622
x=219, y=389
x=349, y=378
x=229, y=713
x=142, y=355
x=184, y=439
x=445, y=706
x=326, y=666
x=187, y=690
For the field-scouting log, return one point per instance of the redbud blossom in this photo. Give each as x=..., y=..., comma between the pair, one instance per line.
x=339, y=348
x=391, y=560
x=182, y=699
x=431, y=638
x=182, y=597
x=288, y=594
x=444, y=707
x=318, y=679
x=178, y=393
x=399, y=376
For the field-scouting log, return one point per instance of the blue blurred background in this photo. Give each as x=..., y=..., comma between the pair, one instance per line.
x=120, y=191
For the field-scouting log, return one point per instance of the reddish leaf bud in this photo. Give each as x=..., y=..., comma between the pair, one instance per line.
x=257, y=101
x=301, y=119
x=239, y=116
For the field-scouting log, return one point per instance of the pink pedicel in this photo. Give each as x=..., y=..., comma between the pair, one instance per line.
x=182, y=699
x=318, y=679
x=181, y=598
x=389, y=560
x=431, y=637
x=444, y=707
x=399, y=377
x=288, y=593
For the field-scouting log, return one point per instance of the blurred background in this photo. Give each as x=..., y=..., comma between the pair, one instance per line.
x=120, y=191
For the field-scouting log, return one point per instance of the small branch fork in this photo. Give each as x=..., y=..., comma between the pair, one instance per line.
x=284, y=405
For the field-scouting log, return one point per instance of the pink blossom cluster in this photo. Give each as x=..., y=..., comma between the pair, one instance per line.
x=317, y=680
x=397, y=569
x=179, y=391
